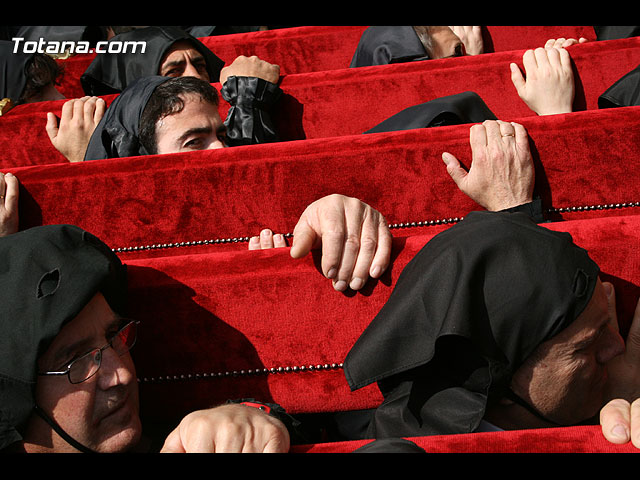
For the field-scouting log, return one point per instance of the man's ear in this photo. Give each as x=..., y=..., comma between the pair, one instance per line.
x=611, y=303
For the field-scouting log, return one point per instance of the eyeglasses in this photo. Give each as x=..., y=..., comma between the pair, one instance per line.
x=86, y=366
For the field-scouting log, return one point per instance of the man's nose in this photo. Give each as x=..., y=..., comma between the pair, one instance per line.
x=115, y=369
x=191, y=71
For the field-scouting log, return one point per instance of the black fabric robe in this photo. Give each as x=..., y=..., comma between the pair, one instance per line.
x=465, y=313
x=382, y=45
x=12, y=71
x=49, y=274
x=616, y=32
x=59, y=33
x=465, y=107
x=625, y=92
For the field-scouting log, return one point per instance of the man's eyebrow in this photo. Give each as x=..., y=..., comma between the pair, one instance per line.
x=182, y=61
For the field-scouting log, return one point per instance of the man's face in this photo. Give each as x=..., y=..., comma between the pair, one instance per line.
x=182, y=60
x=565, y=378
x=445, y=44
x=102, y=412
x=197, y=127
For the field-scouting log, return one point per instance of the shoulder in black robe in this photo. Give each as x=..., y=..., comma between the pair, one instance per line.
x=616, y=32
x=625, y=92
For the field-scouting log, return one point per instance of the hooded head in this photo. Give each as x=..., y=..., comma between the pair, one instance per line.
x=111, y=73
x=27, y=77
x=118, y=133
x=382, y=45
x=465, y=314
x=49, y=275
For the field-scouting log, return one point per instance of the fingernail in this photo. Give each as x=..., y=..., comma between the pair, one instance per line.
x=8, y=174
x=356, y=283
x=340, y=285
x=608, y=289
x=445, y=158
x=375, y=273
x=619, y=431
x=332, y=273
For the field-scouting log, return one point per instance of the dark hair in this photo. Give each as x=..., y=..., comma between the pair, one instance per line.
x=424, y=35
x=40, y=71
x=167, y=99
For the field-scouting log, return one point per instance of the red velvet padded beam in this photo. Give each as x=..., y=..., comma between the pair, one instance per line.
x=351, y=101
x=582, y=439
x=581, y=159
x=260, y=324
x=344, y=102
x=320, y=48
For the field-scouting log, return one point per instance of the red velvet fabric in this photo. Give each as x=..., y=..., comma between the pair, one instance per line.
x=215, y=316
x=350, y=101
x=211, y=321
x=234, y=193
x=584, y=439
x=344, y=102
x=321, y=48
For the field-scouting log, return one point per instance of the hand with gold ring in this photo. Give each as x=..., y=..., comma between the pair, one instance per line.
x=8, y=204
x=501, y=174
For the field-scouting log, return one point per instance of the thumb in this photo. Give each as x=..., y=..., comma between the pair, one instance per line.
x=517, y=79
x=457, y=173
x=52, y=126
x=304, y=238
x=173, y=443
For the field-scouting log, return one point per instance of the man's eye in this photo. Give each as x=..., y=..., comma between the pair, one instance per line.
x=194, y=143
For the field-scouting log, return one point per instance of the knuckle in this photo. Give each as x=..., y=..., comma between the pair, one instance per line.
x=352, y=241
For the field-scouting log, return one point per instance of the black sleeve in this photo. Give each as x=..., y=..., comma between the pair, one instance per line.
x=533, y=209
x=249, y=121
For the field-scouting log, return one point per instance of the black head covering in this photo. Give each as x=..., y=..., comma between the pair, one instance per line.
x=112, y=72
x=382, y=45
x=465, y=107
x=48, y=275
x=13, y=77
x=59, y=33
x=117, y=133
x=465, y=313
x=625, y=92
x=616, y=31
